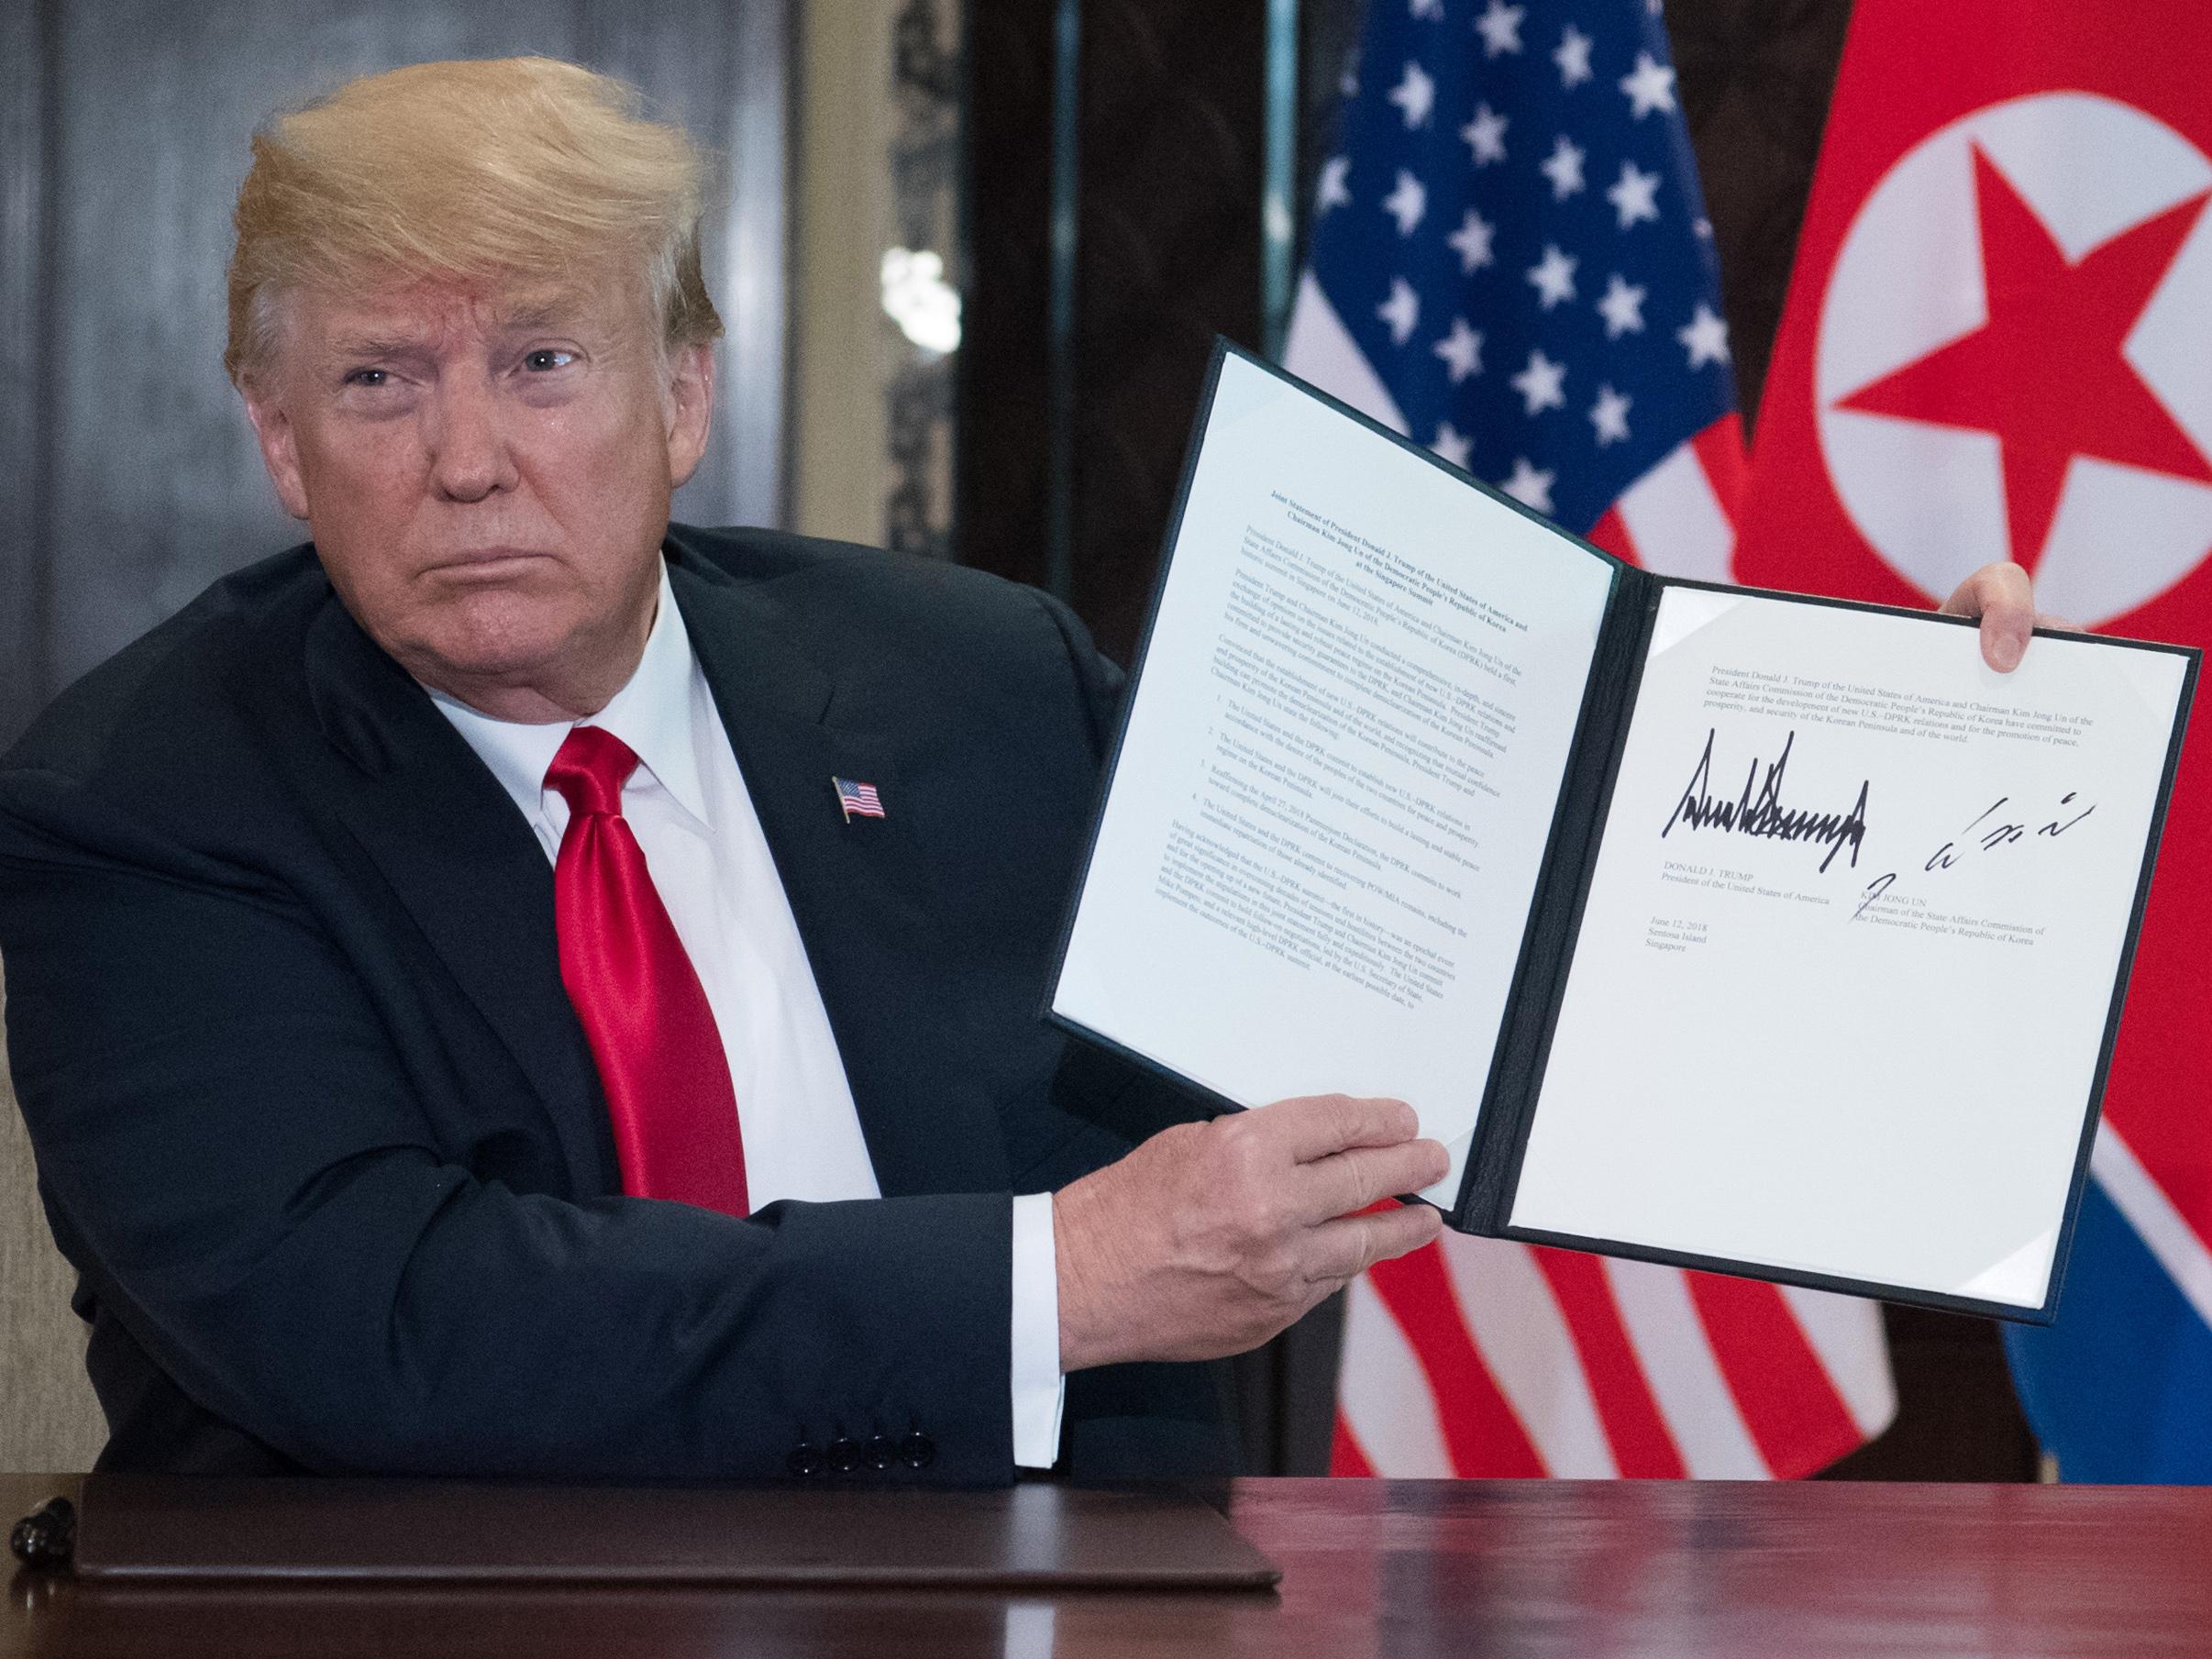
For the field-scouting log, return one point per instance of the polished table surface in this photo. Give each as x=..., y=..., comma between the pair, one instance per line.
x=1495, y=1568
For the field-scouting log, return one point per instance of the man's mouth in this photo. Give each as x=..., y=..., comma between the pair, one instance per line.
x=484, y=564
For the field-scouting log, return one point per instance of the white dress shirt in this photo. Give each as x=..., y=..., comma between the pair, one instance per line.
x=688, y=806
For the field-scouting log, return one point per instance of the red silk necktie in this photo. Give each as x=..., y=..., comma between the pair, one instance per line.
x=644, y=1012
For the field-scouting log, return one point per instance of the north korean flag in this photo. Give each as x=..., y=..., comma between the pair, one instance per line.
x=1999, y=345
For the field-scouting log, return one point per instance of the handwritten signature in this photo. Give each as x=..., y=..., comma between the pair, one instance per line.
x=1762, y=813
x=2004, y=833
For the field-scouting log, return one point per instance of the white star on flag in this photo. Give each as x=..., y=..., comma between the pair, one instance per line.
x=1609, y=415
x=1408, y=203
x=1529, y=486
x=1564, y=169
x=1401, y=311
x=1651, y=88
x=1572, y=57
x=1634, y=197
x=1500, y=28
x=1622, y=306
x=1461, y=348
x=1553, y=277
x=1705, y=336
x=1415, y=95
x=1542, y=386
x=1428, y=11
x=1454, y=449
x=1472, y=240
x=1486, y=135
x=1333, y=192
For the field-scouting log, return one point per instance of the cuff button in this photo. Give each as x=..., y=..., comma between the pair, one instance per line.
x=882, y=1453
x=805, y=1460
x=843, y=1454
x=917, y=1451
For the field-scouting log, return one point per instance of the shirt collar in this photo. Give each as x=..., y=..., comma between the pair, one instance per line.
x=652, y=713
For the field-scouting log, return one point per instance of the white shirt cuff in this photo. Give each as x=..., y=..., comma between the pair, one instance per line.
x=1039, y=1389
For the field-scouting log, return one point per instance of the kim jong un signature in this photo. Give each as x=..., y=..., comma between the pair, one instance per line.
x=1982, y=835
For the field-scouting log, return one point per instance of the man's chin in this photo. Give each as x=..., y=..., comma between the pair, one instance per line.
x=515, y=650
x=470, y=656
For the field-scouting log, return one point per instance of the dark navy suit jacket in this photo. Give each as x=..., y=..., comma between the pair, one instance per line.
x=316, y=1124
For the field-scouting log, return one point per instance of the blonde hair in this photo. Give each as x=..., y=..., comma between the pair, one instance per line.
x=469, y=172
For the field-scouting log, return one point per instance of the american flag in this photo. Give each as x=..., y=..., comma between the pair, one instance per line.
x=1511, y=261
x=857, y=799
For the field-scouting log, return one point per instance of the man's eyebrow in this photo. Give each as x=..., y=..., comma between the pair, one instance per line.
x=552, y=314
x=376, y=344
x=530, y=319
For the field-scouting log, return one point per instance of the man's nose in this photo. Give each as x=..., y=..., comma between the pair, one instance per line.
x=469, y=458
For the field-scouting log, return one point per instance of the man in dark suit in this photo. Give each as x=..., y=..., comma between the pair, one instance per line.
x=514, y=987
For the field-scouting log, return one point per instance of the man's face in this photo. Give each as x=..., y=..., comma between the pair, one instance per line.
x=487, y=474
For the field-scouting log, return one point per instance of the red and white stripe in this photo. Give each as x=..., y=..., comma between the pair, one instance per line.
x=1485, y=1358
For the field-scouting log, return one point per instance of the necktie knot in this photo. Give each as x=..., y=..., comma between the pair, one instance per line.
x=589, y=771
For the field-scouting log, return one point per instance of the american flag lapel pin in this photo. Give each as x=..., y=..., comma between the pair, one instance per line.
x=857, y=800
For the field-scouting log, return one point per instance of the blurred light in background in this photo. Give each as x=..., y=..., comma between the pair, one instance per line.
x=917, y=297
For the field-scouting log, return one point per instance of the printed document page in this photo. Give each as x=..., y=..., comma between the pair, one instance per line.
x=1848, y=959
x=1337, y=779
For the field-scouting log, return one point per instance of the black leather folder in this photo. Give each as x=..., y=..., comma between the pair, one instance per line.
x=1032, y=1536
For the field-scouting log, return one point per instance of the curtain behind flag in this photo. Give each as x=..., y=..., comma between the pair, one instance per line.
x=1509, y=261
x=1998, y=344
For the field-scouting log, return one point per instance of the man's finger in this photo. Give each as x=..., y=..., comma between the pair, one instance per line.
x=1355, y=1178
x=2005, y=637
x=2004, y=599
x=1345, y=1248
x=1314, y=1126
x=2004, y=585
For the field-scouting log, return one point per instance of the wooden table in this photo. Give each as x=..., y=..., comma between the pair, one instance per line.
x=1568, y=1570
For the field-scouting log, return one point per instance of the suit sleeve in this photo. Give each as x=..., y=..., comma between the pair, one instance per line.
x=230, y=1145
x=1099, y=680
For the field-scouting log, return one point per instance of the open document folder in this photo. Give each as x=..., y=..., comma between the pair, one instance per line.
x=1735, y=930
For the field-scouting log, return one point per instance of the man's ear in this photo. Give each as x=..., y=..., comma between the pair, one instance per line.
x=690, y=403
x=279, y=447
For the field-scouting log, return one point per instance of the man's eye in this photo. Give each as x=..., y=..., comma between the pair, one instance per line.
x=539, y=361
x=368, y=377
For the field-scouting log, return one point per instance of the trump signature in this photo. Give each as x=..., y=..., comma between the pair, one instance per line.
x=1762, y=813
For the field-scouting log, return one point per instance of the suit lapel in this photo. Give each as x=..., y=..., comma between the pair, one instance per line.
x=466, y=868
x=861, y=892
x=468, y=872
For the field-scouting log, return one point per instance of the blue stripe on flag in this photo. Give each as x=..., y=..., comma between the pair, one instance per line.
x=2120, y=1388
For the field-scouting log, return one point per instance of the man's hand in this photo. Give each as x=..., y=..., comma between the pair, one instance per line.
x=1210, y=1238
x=2000, y=595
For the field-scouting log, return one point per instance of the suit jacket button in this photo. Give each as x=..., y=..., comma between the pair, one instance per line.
x=805, y=1460
x=843, y=1454
x=883, y=1451
x=918, y=1451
